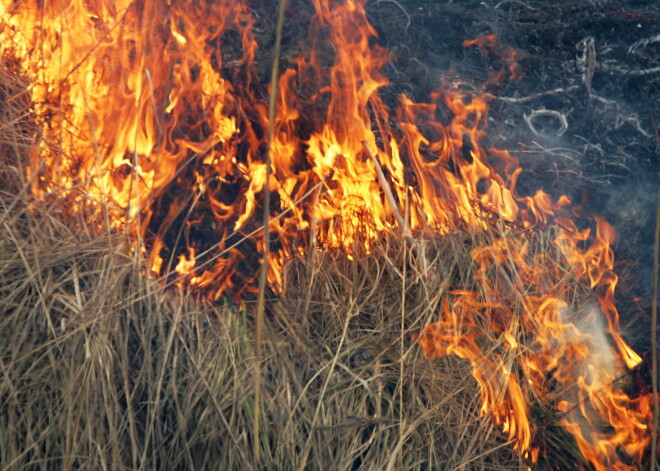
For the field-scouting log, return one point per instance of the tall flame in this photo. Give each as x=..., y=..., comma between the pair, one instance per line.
x=153, y=119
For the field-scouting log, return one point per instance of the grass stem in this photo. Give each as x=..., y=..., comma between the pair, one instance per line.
x=259, y=328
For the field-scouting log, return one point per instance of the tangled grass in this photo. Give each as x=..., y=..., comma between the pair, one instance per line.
x=102, y=369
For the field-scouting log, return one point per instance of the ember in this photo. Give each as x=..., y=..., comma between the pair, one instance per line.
x=154, y=126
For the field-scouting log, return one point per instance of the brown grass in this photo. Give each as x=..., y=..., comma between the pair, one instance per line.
x=100, y=368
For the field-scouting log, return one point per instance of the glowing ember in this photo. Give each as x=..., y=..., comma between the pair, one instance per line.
x=148, y=121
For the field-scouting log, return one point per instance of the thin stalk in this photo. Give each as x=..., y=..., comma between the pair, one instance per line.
x=654, y=340
x=259, y=328
x=402, y=347
x=388, y=192
x=654, y=322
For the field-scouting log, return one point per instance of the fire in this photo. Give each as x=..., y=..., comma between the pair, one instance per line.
x=153, y=119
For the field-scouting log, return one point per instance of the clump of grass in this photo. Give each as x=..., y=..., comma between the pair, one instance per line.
x=101, y=369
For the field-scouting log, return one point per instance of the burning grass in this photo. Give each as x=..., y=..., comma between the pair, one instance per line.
x=103, y=370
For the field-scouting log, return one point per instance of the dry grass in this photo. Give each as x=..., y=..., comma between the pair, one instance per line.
x=102, y=370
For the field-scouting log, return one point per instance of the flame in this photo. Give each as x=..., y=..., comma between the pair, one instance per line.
x=153, y=120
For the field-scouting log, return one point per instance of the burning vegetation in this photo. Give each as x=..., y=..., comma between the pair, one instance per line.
x=389, y=214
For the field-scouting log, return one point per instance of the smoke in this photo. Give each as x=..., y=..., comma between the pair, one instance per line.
x=595, y=372
x=601, y=362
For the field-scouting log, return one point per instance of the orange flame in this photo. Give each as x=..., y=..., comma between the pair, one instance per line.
x=153, y=117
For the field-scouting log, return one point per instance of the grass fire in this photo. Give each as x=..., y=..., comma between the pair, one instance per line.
x=424, y=308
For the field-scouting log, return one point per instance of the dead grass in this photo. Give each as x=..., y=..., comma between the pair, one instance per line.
x=100, y=368
x=103, y=370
